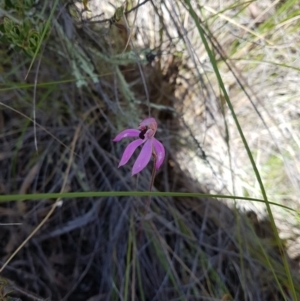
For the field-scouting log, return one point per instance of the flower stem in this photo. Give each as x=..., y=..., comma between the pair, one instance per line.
x=151, y=183
x=149, y=197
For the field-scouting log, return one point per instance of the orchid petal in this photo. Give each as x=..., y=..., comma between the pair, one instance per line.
x=143, y=158
x=127, y=133
x=129, y=150
x=160, y=153
x=149, y=122
x=149, y=134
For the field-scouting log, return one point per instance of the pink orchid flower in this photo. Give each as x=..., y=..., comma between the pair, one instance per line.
x=152, y=146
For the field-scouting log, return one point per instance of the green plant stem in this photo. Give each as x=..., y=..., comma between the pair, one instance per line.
x=149, y=196
x=193, y=14
x=151, y=184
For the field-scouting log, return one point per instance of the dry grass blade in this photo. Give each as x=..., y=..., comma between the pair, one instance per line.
x=54, y=206
x=103, y=70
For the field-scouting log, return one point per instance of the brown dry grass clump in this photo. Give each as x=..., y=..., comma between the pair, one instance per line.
x=85, y=85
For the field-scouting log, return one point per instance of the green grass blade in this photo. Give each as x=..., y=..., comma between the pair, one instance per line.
x=128, y=260
x=89, y=194
x=47, y=25
x=222, y=86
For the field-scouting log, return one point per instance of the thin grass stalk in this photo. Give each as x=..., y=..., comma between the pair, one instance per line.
x=90, y=194
x=128, y=263
x=222, y=86
x=47, y=25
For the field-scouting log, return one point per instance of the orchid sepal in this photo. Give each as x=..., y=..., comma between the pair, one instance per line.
x=126, y=133
x=129, y=150
x=160, y=153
